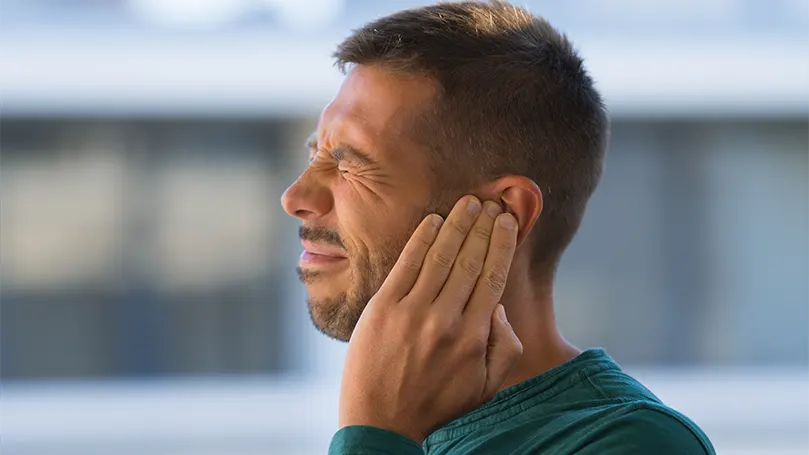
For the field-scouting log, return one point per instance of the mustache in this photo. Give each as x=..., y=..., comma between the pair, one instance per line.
x=320, y=235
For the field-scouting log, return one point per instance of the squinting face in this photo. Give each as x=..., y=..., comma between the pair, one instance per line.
x=362, y=195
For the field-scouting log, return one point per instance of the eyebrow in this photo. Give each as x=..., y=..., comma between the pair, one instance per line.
x=343, y=151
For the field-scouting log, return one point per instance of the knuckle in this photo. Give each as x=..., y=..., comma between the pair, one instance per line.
x=438, y=329
x=457, y=226
x=504, y=246
x=410, y=265
x=472, y=266
x=495, y=280
x=375, y=315
x=424, y=241
x=442, y=259
x=404, y=317
x=481, y=232
x=474, y=348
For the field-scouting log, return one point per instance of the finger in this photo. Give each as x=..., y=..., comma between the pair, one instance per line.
x=444, y=250
x=469, y=263
x=489, y=287
x=503, y=352
x=405, y=271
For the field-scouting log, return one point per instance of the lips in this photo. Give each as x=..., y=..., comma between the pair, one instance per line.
x=322, y=250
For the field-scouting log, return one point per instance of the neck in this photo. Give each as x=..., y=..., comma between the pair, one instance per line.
x=529, y=308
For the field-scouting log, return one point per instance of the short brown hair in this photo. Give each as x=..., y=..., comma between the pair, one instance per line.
x=514, y=98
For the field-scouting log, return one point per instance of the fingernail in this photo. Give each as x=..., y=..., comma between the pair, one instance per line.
x=492, y=209
x=507, y=221
x=437, y=220
x=473, y=206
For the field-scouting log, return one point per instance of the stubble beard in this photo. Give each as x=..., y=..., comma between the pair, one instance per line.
x=336, y=316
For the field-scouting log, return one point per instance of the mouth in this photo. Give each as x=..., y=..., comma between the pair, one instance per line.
x=320, y=255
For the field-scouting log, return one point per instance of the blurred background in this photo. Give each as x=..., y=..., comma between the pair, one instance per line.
x=149, y=302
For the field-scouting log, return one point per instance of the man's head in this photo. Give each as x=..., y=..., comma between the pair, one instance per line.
x=441, y=101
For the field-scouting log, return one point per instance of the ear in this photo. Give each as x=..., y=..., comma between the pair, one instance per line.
x=519, y=196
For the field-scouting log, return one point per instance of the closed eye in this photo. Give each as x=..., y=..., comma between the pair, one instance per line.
x=344, y=155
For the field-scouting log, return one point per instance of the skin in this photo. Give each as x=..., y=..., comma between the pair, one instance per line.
x=421, y=305
x=333, y=198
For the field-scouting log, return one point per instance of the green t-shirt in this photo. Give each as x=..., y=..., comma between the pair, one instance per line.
x=587, y=406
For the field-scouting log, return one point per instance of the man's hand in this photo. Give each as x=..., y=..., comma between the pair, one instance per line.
x=434, y=343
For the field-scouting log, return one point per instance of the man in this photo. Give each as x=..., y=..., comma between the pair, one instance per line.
x=446, y=178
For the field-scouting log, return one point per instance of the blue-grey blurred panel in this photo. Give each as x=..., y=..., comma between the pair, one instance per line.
x=628, y=17
x=261, y=75
x=259, y=415
x=260, y=58
x=758, y=220
x=695, y=246
x=140, y=247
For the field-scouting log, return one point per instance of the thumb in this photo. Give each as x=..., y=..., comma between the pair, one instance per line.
x=503, y=352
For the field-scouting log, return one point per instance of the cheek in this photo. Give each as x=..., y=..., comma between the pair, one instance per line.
x=355, y=220
x=390, y=234
x=373, y=227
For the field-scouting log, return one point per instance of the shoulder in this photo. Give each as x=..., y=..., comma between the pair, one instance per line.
x=645, y=430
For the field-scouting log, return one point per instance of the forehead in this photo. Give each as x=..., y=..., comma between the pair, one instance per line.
x=375, y=110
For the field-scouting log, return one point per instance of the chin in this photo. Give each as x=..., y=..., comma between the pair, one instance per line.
x=325, y=290
x=334, y=316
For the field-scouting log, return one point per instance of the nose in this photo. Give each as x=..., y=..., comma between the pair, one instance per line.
x=306, y=199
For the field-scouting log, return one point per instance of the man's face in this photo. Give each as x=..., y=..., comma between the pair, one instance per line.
x=362, y=195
